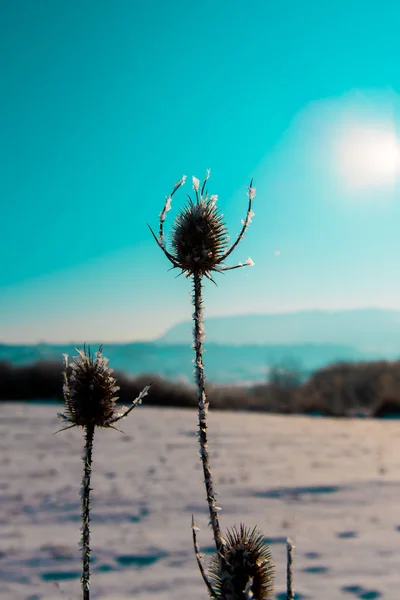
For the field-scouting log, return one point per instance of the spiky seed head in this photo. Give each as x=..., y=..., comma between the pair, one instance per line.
x=199, y=236
x=89, y=390
x=246, y=570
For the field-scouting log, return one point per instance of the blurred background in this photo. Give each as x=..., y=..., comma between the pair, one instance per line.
x=106, y=105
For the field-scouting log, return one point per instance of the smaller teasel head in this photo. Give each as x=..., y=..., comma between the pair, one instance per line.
x=199, y=238
x=90, y=391
x=246, y=571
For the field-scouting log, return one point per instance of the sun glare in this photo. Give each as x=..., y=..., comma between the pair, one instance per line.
x=368, y=156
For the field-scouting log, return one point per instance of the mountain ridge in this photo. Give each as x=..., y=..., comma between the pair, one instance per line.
x=367, y=329
x=243, y=348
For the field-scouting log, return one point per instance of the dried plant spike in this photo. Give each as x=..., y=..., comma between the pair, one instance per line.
x=199, y=246
x=90, y=399
x=246, y=570
x=199, y=238
x=289, y=569
x=90, y=391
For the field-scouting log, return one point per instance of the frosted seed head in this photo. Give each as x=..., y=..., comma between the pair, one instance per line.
x=89, y=390
x=246, y=566
x=198, y=237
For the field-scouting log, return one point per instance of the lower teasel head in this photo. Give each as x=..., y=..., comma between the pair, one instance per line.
x=247, y=570
x=89, y=390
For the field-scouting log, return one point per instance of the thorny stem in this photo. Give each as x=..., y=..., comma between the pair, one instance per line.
x=87, y=470
x=198, y=335
x=289, y=572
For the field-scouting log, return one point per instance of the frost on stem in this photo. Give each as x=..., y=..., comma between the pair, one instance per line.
x=242, y=566
x=198, y=336
x=85, y=502
x=90, y=400
x=246, y=571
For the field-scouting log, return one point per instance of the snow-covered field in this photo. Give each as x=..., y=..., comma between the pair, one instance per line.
x=332, y=485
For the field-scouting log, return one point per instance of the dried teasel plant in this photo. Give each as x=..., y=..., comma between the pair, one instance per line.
x=90, y=400
x=248, y=568
x=199, y=248
x=199, y=238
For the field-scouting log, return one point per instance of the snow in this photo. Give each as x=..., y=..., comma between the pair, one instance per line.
x=332, y=485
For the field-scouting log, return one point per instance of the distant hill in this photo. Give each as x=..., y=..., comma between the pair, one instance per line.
x=368, y=330
x=243, y=348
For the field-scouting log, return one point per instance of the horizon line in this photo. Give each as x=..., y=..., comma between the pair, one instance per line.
x=233, y=316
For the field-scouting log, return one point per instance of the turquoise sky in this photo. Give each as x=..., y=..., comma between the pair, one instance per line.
x=105, y=104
